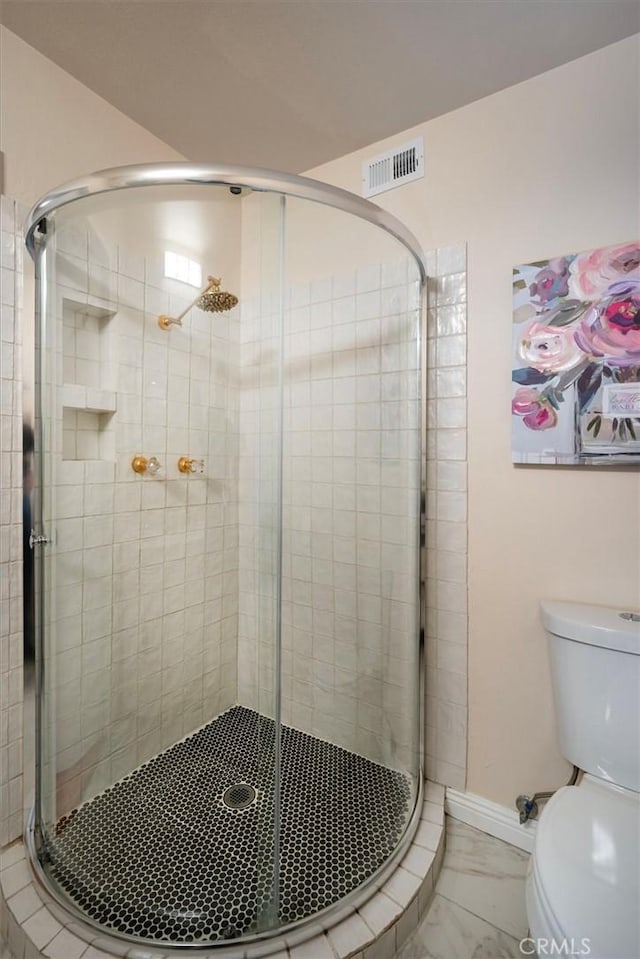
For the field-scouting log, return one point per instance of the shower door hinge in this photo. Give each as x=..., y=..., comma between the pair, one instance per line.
x=37, y=539
x=40, y=232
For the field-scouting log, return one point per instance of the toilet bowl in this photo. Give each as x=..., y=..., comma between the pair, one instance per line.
x=583, y=886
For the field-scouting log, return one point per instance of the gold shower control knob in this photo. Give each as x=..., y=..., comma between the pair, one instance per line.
x=141, y=465
x=188, y=465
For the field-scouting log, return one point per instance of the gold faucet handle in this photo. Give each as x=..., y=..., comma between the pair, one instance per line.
x=188, y=465
x=142, y=464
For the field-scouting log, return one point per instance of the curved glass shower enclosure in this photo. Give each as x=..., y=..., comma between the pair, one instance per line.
x=228, y=462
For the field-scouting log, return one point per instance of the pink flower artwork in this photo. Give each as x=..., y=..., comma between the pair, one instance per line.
x=576, y=357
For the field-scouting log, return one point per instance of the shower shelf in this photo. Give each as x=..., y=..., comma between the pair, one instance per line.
x=87, y=423
x=86, y=395
x=89, y=398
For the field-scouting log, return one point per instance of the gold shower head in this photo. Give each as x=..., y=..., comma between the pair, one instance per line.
x=215, y=300
x=211, y=300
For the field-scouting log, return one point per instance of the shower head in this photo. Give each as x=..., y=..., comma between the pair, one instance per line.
x=215, y=300
x=211, y=300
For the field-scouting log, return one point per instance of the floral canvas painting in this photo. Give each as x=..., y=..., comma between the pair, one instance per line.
x=576, y=357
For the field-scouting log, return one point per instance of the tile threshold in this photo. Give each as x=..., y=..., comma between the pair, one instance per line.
x=377, y=929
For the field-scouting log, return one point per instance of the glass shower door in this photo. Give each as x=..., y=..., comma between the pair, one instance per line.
x=74, y=566
x=159, y=723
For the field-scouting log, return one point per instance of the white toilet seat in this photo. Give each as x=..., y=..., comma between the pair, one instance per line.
x=584, y=876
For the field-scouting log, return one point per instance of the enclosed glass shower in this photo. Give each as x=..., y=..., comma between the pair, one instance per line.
x=226, y=549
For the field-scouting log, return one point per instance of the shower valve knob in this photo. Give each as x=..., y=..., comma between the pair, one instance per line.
x=188, y=465
x=141, y=465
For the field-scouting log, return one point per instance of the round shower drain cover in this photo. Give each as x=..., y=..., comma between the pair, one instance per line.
x=239, y=796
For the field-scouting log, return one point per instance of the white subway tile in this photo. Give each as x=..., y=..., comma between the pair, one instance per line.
x=451, y=506
x=451, y=350
x=451, y=444
x=451, y=413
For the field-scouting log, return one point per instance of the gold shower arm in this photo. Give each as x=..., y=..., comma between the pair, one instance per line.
x=166, y=322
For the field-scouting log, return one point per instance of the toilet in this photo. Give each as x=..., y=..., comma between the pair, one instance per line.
x=583, y=886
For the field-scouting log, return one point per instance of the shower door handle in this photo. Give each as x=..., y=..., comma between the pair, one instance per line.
x=37, y=539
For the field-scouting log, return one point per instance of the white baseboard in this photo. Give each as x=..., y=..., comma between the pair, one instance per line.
x=490, y=817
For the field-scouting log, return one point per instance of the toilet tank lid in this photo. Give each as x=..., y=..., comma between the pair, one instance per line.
x=595, y=625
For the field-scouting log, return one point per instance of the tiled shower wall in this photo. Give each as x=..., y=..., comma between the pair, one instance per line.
x=446, y=533
x=143, y=579
x=10, y=522
x=350, y=507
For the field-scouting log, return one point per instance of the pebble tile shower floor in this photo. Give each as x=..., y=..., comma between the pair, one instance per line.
x=160, y=855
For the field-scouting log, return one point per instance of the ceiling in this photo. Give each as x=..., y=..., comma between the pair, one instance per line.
x=290, y=85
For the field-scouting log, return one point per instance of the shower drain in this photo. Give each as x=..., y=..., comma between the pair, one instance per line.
x=239, y=796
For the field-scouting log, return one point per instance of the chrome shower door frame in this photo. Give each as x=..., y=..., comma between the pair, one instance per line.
x=239, y=180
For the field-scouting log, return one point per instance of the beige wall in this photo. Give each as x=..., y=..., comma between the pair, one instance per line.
x=53, y=129
x=546, y=167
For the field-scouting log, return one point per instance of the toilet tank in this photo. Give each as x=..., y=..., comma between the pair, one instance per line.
x=595, y=671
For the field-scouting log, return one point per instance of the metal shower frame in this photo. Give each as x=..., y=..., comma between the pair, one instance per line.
x=239, y=180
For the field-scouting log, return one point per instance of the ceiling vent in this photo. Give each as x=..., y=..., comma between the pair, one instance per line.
x=392, y=169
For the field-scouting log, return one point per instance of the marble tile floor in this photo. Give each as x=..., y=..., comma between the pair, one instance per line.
x=478, y=910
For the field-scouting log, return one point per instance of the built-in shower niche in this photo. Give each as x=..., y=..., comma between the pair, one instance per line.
x=88, y=396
